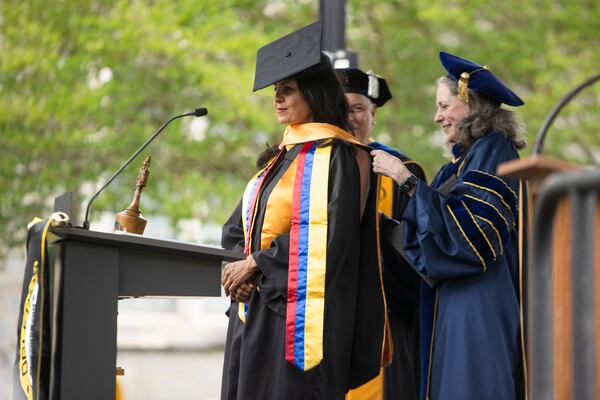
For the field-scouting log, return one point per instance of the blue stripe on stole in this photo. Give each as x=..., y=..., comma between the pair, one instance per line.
x=303, y=259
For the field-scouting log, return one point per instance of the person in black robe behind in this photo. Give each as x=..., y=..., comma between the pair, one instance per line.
x=307, y=316
x=366, y=92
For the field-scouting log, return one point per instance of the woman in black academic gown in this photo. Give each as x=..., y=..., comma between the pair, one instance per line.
x=300, y=324
x=463, y=234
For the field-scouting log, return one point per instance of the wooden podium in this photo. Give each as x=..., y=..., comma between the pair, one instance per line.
x=535, y=169
x=89, y=272
x=556, y=328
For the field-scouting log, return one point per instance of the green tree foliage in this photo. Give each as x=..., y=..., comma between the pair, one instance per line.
x=83, y=83
x=540, y=48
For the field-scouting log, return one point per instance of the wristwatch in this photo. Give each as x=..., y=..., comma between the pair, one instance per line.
x=409, y=184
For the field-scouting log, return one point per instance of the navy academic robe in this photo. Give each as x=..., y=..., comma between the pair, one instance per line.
x=402, y=285
x=462, y=235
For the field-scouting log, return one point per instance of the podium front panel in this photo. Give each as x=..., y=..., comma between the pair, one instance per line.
x=161, y=274
x=90, y=271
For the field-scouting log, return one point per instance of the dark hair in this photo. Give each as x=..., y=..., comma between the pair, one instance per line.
x=485, y=116
x=322, y=90
x=266, y=155
x=324, y=94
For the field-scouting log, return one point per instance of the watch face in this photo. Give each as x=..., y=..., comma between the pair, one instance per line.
x=409, y=184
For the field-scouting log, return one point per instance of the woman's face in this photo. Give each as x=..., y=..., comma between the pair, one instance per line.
x=290, y=105
x=361, y=116
x=450, y=111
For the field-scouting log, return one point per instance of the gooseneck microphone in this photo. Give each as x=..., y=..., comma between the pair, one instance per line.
x=198, y=112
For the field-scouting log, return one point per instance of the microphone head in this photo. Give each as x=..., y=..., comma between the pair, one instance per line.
x=200, y=112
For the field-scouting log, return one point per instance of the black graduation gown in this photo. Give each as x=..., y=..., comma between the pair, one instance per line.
x=255, y=365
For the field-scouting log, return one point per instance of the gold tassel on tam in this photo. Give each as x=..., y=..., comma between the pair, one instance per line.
x=463, y=83
x=463, y=87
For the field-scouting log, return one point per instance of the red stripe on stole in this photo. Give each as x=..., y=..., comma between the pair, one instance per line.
x=293, y=258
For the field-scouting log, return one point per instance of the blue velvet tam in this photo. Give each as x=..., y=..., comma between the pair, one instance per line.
x=479, y=79
x=366, y=83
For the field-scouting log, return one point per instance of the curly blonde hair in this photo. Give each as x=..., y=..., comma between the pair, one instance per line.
x=485, y=116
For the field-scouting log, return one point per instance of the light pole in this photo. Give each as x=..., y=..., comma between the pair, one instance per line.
x=333, y=14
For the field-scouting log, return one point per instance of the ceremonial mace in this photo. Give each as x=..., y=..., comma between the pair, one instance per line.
x=131, y=219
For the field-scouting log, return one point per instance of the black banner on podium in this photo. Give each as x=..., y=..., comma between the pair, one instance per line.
x=31, y=371
x=67, y=332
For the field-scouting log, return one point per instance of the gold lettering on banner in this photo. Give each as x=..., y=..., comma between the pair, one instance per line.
x=25, y=345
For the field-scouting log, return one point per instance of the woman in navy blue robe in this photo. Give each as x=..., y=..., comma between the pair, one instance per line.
x=463, y=235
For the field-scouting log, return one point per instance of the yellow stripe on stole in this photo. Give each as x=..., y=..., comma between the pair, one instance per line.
x=386, y=195
x=241, y=313
x=317, y=259
x=278, y=214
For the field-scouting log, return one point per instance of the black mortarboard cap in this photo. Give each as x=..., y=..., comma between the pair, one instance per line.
x=366, y=83
x=296, y=52
x=478, y=78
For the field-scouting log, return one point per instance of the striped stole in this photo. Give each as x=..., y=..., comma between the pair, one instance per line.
x=307, y=258
x=308, y=239
x=249, y=202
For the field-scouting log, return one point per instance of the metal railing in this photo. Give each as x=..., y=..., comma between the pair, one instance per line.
x=581, y=189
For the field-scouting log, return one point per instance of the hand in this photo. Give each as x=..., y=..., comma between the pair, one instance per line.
x=388, y=165
x=243, y=292
x=237, y=273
